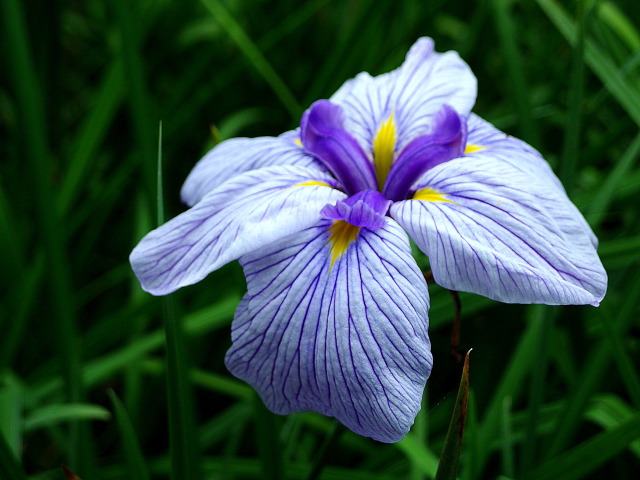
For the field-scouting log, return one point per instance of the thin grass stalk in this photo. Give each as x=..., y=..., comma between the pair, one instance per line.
x=138, y=97
x=515, y=69
x=593, y=372
x=569, y=162
x=183, y=444
x=32, y=117
x=506, y=439
x=268, y=441
x=421, y=431
x=10, y=467
x=546, y=316
x=255, y=56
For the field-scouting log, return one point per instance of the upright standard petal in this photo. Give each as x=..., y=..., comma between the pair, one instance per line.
x=238, y=155
x=414, y=93
x=245, y=213
x=491, y=228
x=348, y=340
x=323, y=135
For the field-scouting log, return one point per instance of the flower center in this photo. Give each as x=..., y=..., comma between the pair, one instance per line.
x=384, y=145
x=323, y=134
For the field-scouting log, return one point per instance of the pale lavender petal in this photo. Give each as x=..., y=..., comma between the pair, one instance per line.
x=506, y=148
x=348, y=341
x=503, y=233
x=235, y=156
x=246, y=213
x=521, y=156
x=414, y=93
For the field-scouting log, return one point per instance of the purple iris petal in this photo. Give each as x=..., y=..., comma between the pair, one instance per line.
x=243, y=214
x=323, y=135
x=238, y=155
x=364, y=209
x=350, y=341
x=505, y=234
x=444, y=143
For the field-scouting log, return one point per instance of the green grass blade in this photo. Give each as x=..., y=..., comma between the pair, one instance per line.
x=608, y=411
x=506, y=439
x=616, y=19
x=11, y=412
x=10, y=468
x=29, y=98
x=450, y=457
x=589, y=455
x=574, y=115
x=185, y=457
x=515, y=69
x=268, y=440
x=546, y=316
x=254, y=55
x=627, y=95
x=93, y=132
x=593, y=371
x=421, y=432
x=98, y=370
x=136, y=465
x=419, y=454
x=599, y=203
x=139, y=98
x=625, y=365
x=54, y=414
x=319, y=461
x=518, y=367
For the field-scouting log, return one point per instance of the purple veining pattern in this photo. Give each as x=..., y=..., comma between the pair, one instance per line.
x=239, y=155
x=415, y=92
x=243, y=214
x=308, y=343
x=503, y=234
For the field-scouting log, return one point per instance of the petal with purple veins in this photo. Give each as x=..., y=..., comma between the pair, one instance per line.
x=348, y=341
x=235, y=156
x=484, y=140
x=243, y=214
x=413, y=93
x=498, y=231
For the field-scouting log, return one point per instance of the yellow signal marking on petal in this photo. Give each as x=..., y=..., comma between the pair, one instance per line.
x=311, y=183
x=298, y=142
x=383, y=147
x=342, y=234
x=472, y=147
x=430, y=195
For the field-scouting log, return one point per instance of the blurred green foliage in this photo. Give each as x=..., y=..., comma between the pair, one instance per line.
x=84, y=372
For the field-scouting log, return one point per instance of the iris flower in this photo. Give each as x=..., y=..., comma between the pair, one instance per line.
x=335, y=317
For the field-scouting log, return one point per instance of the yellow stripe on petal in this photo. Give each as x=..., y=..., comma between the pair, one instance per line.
x=298, y=142
x=311, y=183
x=383, y=147
x=430, y=195
x=472, y=147
x=342, y=234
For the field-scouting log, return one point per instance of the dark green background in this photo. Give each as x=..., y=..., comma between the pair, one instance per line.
x=85, y=379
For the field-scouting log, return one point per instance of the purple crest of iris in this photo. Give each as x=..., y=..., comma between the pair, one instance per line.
x=335, y=317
